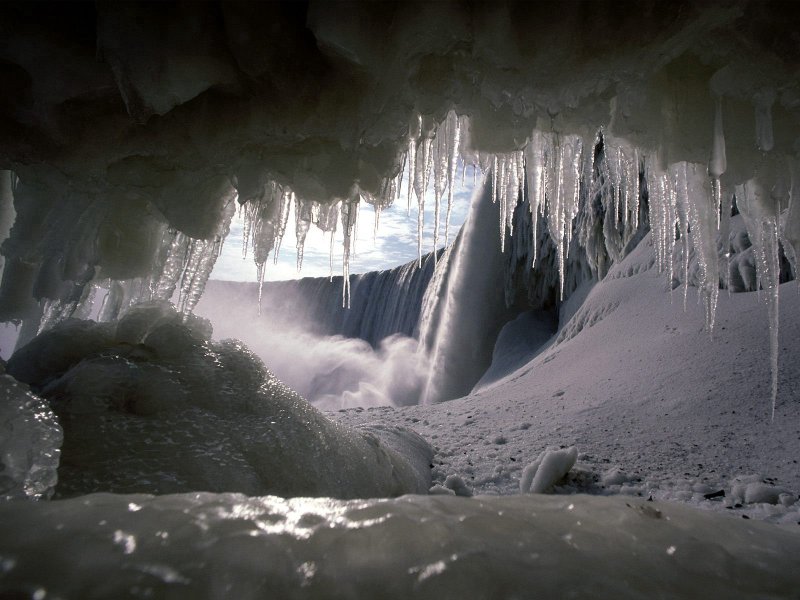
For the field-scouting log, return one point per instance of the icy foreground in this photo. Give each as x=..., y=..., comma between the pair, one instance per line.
x=214, y=546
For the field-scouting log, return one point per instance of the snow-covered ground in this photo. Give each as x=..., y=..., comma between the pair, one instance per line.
x=655, y=406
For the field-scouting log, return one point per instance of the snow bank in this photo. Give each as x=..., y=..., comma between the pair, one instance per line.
x=149, y=405
x=209, y=546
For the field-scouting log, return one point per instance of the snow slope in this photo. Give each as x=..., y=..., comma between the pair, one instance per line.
x=654, y=405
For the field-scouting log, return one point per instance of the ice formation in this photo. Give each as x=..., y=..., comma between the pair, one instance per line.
x=546, y=471
x=148, y=404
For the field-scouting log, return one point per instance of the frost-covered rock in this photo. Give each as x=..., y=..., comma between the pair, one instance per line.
x=30, y=440
x=150, y=405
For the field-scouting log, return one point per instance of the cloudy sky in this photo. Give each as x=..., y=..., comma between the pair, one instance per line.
x=395, y=244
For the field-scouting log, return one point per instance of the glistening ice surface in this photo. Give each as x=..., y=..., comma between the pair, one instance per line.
x=212, y=546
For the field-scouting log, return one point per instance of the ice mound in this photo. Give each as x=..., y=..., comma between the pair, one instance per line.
x=209, y=546
x=150, y=405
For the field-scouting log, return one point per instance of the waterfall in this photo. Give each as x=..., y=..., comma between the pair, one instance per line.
x=467, y=310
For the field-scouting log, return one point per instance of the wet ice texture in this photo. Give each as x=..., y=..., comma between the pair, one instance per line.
x=30, y=440
x=206, y=546
x=148, y=404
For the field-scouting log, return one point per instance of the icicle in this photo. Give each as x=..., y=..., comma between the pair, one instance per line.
x=516, y=177
x=204, y=257
x=414, y=130
x=719, y=162
x=635, y=191
x=400, y=176
x=726, y=207
x=440, y=176
x=248, y=210
x=495, y=169
x=330, y=255
x=287, y=199
x=691, y=181
x=536, y=154
x=354, y=235
x=763, y=101
x=425, y=160
x=563, y=199
x=260, y=272
x=303, y=217
x=759, y=201
x=454, y=137
x=349, y=210
x=377, y=209
x=174, y=266
x=499, y=196
x=663, y=217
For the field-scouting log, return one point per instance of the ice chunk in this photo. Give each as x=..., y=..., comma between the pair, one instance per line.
x=30, y=443
x=548, y=469
x=456, y=484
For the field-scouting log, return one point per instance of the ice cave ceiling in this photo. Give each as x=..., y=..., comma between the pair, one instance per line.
x=157, y=114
